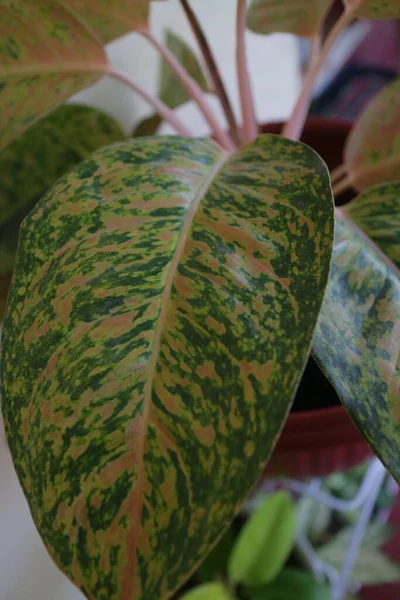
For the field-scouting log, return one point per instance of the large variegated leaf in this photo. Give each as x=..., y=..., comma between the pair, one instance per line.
x=372, y=152
x=111, y=19
x=46, y=56
x=357, y=341
x=31, y=164
x=171, y=92
x=300, y=17
x=377, y=213
x=162, y=309
x=378, y=9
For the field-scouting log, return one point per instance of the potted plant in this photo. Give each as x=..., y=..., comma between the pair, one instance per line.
x=167, y=292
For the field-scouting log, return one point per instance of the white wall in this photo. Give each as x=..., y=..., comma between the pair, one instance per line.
x=26, y=571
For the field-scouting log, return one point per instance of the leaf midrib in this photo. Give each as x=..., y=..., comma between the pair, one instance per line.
x=148, y=390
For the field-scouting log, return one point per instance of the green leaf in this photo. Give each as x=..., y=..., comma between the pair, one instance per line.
x=208, y=591
x=293, y=584
x=357, y=339
x=378, y=9
x=313, y=517
x=171, y=90
x=377, y=213
x=147, y=127
x=173, y=296
x=372, y=566
x=300, y=17
x=216, y=563
x=265, y=542
x=34, y=162
x=42, y=66
x=111, y=19
x=372, y=152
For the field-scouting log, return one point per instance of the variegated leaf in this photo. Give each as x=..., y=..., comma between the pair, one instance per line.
x=111, y=19
x=35, y=161
x=378, y=9
x=173, y=295
x=357, y=340
x=372, y=152
x=300, y=17
x=46, y=56
x=377, y=213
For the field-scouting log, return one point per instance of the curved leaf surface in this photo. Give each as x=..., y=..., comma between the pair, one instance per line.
x=208, y=591
x=372, y=152
x=377, y=213
x=173, y=295
x=378, y=9
x=357, y=341
x=300, y=17
x=111, y=19
x=46, y=56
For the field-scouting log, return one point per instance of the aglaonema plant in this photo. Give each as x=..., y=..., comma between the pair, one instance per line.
x=167, y=290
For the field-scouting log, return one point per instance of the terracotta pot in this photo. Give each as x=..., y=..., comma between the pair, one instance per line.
x=315, y=443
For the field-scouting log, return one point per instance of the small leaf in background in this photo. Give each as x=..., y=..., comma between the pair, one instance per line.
x=33, y=77
x=265, y=542
x=313, y=517
x=293, y=584
x=173, y=297
x=216, y=563
x=147, y=127
x=377, y=212
x=357, y=339
x=31, y=164
x=372, y=566
x=372, y=151
x=300, y=17
x=171, y=90
x=378, y=9
x=208, y=591
x=110, y=19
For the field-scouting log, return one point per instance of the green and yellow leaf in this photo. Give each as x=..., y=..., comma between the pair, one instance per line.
x=162, y=308
x=377, y=213
x=378, y=9
x=31, y=164
x=357, y=340
x=111, y=19
x=208, y=591
x=300, y=17
x=46, y=56
x=372, y=152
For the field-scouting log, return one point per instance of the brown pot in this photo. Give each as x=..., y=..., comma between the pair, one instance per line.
x=315, y=443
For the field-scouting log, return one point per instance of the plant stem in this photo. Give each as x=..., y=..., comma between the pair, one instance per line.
x=250, y=129
x=341, y=186
x=193, y=89
x=162, y=109
x=294, y=127
x=338, y=173
x=213, y=70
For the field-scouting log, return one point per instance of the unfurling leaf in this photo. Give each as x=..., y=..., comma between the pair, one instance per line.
x=31, y=164
x=357, y=340
x=146, y=375
x=293, y=584
x=377, y=9
x=42, y=66
x=264, y=542
x=372, y=152
x=377, y=213
x=300, y=17
x=208, y=591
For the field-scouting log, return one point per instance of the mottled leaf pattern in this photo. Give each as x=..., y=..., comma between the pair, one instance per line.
x=378, y=9
x=173, y=295
x=34, y=162
x=111, y=19
x=372, y=152
x=357, y=340
x=300, y=17
x=377, y=213
x=46, y=56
